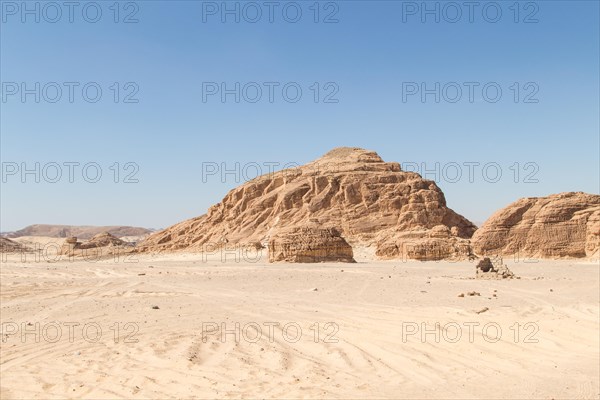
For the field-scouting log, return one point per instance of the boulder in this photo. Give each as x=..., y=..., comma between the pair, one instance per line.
x=309, y=244
x=486, y=269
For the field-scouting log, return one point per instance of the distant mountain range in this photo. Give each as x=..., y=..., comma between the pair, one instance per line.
x=81, y=232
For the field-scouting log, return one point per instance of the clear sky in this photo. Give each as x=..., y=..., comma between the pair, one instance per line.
x=369, y=60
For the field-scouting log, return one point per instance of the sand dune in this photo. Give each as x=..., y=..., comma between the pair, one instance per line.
x=366, y=351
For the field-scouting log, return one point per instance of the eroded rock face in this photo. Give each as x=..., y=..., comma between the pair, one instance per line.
x=309, y=244
x=592, y=235
x=556, y=226
x=369, y=201
x=438, y=243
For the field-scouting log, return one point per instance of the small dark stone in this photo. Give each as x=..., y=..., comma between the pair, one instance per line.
x=485, y=265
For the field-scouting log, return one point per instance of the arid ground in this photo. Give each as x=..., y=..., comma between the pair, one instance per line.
x=150, y=327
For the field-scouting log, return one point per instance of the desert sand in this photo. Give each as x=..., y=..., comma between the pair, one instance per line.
x=373, y=346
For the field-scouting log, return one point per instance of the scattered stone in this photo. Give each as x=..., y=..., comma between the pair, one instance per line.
x=461, y=295
x=155, y=307
x=473, y=294
x=142, y=274
x=484, y=309
x=485, y=265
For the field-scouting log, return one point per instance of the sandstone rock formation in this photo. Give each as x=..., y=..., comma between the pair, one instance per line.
x=309, y=244
x=438, y=243
x=369, y=201
x=556, y=226
x=486, y=269
x=101, y=244
x=103, y=239
x=592, y=235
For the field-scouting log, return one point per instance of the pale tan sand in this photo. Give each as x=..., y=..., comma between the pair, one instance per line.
x=370, y=359
x=39, y=241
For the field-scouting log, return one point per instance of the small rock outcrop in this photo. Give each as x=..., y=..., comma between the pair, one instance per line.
x=438, y=243
x=309, y=244
x=103, y=240
x=565, y=225
x=10, y=246
x=369, y=201
x=486, y=269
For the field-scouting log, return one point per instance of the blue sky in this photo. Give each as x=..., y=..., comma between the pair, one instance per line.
x=370, y=57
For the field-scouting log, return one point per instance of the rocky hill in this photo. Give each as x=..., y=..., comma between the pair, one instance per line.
x=368, y=201
x=82, y=232
x=556, y=226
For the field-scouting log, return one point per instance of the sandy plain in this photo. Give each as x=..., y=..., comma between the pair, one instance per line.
x=151, y=326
